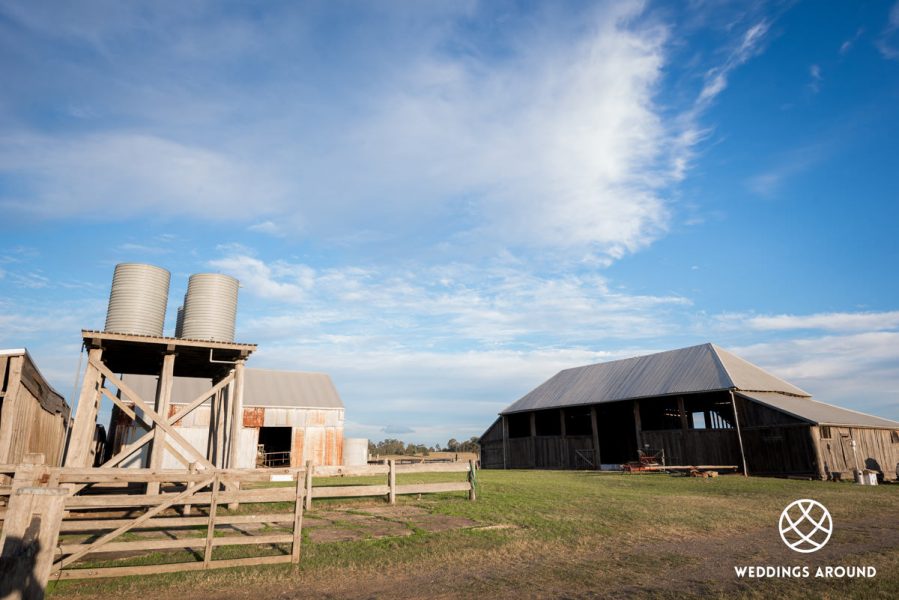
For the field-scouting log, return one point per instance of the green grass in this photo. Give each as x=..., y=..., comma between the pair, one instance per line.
x=572, y=534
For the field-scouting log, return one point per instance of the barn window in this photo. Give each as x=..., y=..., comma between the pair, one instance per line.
x=660, y=414
x=895, y=436
x=548, y=422
x=519, y=425
x=825, y=433
x=578, y=421
x=709, y=412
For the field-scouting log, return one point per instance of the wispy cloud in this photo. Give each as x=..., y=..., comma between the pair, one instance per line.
x=847, y=45
x=545, y=134
x=887, y=43
x=814, y=72
x=750, y=45
x=835, y=321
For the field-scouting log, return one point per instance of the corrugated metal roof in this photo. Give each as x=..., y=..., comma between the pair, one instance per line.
x=690, y=370
x=818, y=413
x=687, y=370
x=746, y=376
x=262, y=387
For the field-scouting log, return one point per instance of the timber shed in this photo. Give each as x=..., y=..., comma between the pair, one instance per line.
x=288, y=418
x=700, y=405
x=33, y=416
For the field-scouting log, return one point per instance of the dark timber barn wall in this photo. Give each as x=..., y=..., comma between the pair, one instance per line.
x=782, y=432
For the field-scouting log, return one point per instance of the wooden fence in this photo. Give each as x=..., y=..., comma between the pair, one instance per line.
x=389, y=488
x=100, y=506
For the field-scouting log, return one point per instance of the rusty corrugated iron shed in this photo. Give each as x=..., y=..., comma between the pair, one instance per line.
x=262, y=387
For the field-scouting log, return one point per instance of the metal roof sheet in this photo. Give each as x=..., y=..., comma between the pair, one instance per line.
x=702, y=368
x=818, y=413
x=262, y=387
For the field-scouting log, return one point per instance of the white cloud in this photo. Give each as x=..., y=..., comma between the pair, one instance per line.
x=815, y=73
x=716, y=79
x=547, y=136
x=856, y=371
x=835, y=321
x=887, y=43
x=121, y=175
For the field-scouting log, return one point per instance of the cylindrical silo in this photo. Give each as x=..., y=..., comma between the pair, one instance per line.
x=138, y=299
x=210, y=307
x=355, y=451
x=179, y=322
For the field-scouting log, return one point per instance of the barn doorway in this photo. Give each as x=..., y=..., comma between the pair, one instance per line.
x=274, y=446
x=617, y=433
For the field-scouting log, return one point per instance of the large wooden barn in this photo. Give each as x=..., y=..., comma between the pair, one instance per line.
x=699, y=406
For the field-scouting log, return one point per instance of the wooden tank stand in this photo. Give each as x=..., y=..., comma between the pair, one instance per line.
x=167, y=358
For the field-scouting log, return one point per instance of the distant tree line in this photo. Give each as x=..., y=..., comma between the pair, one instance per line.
x=393, y=446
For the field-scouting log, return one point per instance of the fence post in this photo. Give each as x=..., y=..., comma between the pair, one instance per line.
x=30, y=533
x=192, y=469
x=298, y=519
x=391, y=480
x=472, y=495
x=309, y=469
x=210, y=526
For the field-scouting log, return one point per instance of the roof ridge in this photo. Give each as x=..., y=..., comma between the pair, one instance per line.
x=714, y=348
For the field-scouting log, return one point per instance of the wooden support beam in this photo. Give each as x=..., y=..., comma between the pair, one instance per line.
x=733, y=402
x=236, y=421
x=533, y=432
x=81, y=446
x=594, y=428
x=155, y=418
x=638, y=428
x=505, y=442
x=196, y=402
x=814, y=433
x=682, y=413
x=563, y=429
x=308, y=481
x=472, y=477
x=163, y=398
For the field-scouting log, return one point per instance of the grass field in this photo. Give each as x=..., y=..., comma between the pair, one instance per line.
x=575, y=535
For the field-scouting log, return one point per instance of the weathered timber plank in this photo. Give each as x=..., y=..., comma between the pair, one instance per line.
x=460, y=467
x=69, y=526
x=168, y=568
x=351, y=471
x=433, y=488
x=127, y=500
x=165, y=544
x=350, y=491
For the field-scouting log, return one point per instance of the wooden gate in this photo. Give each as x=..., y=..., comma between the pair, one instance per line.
x=111, y=503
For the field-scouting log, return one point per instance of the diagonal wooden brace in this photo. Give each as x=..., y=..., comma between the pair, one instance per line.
x=157, y=419
x=175, y=499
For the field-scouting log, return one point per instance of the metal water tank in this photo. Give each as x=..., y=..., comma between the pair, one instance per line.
x=355, y=451
x=179, y=322
x=210, y=307
x=137, y=300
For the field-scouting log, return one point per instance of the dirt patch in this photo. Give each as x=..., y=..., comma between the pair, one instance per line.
x=434, y=523
x=394, y=512
x=324, y=535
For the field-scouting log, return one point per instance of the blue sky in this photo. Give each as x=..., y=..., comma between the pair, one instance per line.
x=442, y=204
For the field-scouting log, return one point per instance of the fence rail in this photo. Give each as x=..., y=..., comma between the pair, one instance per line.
x=96, y=507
